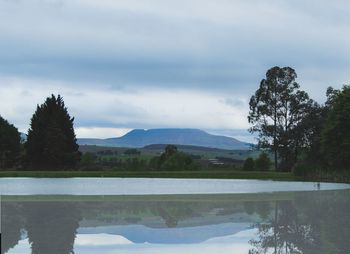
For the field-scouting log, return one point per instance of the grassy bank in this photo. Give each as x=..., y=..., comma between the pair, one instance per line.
x=185, y=198
x=215, y=174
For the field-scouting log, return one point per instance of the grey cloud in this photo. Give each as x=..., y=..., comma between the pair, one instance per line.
x=236, y=102
x=218, y=46
x=135, y=49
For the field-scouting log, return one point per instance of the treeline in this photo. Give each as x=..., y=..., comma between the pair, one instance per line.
x=50, y=144
x=169, y=160
x=303, y=135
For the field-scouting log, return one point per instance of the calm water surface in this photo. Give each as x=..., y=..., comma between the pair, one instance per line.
x=150, y=186
x=192, y=216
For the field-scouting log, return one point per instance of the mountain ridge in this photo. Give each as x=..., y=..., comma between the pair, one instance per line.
x=140, y=138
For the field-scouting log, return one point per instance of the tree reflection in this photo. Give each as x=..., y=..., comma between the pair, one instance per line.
x=172, y=213
x=12, y=224
x=286, y=234
x=52, y=227
x=297, y=223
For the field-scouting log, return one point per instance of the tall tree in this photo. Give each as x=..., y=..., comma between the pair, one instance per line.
x=9, y=144
x=51, y=139
x=276, y=110
x=312, y=126
x=335, y=138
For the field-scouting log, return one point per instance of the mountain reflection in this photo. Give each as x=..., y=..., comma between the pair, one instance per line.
x=304, y=222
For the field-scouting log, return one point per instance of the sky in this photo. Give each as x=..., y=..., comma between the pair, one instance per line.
x=121, y=65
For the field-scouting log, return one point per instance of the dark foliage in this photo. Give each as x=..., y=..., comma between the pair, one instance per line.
x=51, y=140
x=249, y=164
x=132, y=152
x=335, y=138
x=276, y=111
x=9, y=144
x=171, y=159
x=263, y=162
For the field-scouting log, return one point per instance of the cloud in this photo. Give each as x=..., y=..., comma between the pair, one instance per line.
x=223, y=44
x=106, y=112
x=200, y=54
x=96, y=132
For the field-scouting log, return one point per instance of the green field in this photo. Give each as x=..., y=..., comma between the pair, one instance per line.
x=155, y=150
x=215, y=174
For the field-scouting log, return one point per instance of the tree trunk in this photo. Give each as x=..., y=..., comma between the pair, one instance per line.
x=275, y=228
x=275, y=140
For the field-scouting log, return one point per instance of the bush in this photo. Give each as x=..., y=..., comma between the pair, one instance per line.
x=134, y=164
x=307, y=168
x=171, y=159
x=88, y=159
x=132, y=152
x=178, y=161
x=249, y=164
x=263, y=163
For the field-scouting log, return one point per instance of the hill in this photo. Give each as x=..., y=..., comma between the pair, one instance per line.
x=140, y=138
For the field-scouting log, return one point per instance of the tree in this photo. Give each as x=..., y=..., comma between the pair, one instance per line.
x=263, y=162
x=178, y=161
x=172, y=159
x=335, y=138
x=249, y=164
x=51, y=142
x=9, y=144
x=276, y=110
x=132, y=151
x=169, y=151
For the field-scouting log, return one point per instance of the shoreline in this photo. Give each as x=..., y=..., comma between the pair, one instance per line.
x=201, y=174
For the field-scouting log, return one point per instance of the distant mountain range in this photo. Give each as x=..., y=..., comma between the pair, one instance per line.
x=139, y=138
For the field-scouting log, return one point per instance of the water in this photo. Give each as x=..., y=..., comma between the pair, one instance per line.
x=149, y=186
x=263, y=221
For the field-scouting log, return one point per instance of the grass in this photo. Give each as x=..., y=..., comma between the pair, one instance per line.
x=185, y=198
x=155, y=150
x=214, y=174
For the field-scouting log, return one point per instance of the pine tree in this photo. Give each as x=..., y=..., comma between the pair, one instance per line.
x=9, y=144
x=51, y=140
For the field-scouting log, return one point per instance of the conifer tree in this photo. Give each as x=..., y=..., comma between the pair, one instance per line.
x=9, y=144
x=51, y=140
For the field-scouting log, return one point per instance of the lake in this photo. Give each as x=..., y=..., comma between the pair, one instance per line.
x=86, y=215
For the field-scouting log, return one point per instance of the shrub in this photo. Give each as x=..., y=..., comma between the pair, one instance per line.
x=263, y=163
x=249, y=164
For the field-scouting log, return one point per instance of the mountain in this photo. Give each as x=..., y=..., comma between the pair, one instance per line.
x=140, y=138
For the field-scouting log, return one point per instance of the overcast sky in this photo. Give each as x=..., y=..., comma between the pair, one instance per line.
x=124, y=64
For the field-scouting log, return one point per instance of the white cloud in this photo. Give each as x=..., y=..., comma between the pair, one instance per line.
x=107, y=112
x=100, y=240
x=164, y=63
x=96, y=132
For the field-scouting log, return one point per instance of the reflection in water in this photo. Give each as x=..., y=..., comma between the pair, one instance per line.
x=287, y=233
x=11, y=224
x=308, y=222
x=51, y=226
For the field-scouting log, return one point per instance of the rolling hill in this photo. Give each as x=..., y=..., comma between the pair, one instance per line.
x=139, y=138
